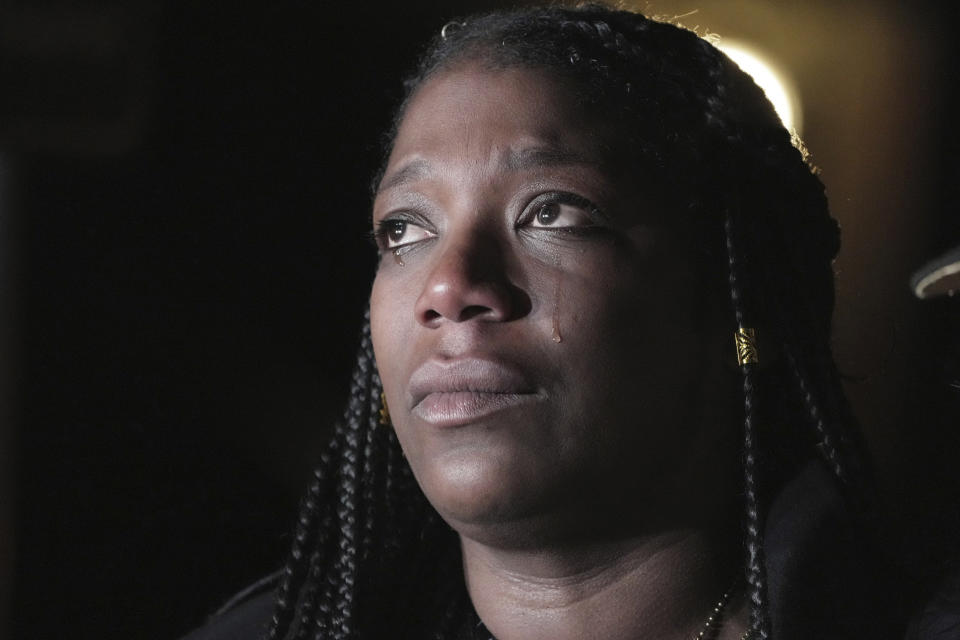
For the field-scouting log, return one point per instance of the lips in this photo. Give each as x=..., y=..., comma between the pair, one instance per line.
x=463, y=391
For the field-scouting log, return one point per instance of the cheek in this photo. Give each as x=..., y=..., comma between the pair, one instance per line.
x=641, y=295
x=390, y=326
x=592, y=304
x=388, y=330
x=393, y=329
x=627, y=328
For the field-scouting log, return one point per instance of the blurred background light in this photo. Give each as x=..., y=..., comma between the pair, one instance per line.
x=777, y=85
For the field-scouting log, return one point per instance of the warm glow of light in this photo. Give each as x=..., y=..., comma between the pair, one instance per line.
x=775, y=84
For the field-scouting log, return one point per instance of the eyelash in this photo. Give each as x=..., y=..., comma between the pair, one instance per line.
x=383, y=228
x=594, y=214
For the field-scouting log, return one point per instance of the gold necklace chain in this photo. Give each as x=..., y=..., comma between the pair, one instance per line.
x=712, y=626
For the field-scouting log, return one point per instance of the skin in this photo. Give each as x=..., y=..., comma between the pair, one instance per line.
x=584, y=483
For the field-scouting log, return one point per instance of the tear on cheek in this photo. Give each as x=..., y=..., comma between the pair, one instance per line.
x=557, y=336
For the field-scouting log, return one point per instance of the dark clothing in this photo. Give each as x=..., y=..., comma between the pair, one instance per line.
x=823, y=583
x=940, y=618
x=246, y=621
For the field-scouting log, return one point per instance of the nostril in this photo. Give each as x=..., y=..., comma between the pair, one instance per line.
x=474, y=311
x=430, y=315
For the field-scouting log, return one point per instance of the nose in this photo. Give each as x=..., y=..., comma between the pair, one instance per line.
x=470, y=281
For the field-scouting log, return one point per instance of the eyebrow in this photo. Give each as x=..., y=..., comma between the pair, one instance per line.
x=410, y=172
x=542, y=157
x=513, y=160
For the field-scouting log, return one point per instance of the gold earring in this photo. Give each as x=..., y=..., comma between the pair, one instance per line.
x=384, y=410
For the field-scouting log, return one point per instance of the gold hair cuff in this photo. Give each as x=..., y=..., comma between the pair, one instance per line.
x=746, y=340
x=384, y=410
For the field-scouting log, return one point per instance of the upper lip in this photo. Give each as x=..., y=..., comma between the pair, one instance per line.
x=478, y=375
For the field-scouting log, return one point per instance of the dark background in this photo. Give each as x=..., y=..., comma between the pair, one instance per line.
x=184, y=267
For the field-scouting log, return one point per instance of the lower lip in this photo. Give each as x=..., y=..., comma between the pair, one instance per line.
x=458, y=408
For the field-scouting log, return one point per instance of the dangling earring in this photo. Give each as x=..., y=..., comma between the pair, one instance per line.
x=384, y=410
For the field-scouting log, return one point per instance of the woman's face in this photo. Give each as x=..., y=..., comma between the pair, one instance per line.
x=535, y=329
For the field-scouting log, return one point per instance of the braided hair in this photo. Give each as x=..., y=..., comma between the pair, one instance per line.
x=370, y=558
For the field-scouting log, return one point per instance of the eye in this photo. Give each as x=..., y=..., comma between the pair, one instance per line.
x=394, y=233
x=556, y=214
x=561, y=211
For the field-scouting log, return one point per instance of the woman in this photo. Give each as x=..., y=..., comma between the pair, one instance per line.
x=550, y=433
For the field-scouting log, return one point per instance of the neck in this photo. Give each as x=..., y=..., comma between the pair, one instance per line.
x=659, y=586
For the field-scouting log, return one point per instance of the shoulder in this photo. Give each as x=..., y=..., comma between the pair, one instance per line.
x=826, y=579
x=246, y=616
x=939, y=618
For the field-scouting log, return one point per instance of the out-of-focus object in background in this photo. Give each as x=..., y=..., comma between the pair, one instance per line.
x=940, y=276
x=940, y=615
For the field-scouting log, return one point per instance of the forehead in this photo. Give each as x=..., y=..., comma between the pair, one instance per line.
x=474, y=114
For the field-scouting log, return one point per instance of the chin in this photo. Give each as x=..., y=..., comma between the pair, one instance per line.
x=500, y=500
x=471, y=489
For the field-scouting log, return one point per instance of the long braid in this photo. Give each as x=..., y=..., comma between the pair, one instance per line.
x=309, y=596
x=339, y=579
x=305, y=532
x=317, y=589
x=829, y=447
x=349, y=509
x=755, y=569
x=858, y=477
x=851, y=437
x=372, y=473
x=309, y=599
x=326, y=609
x=393, y=459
